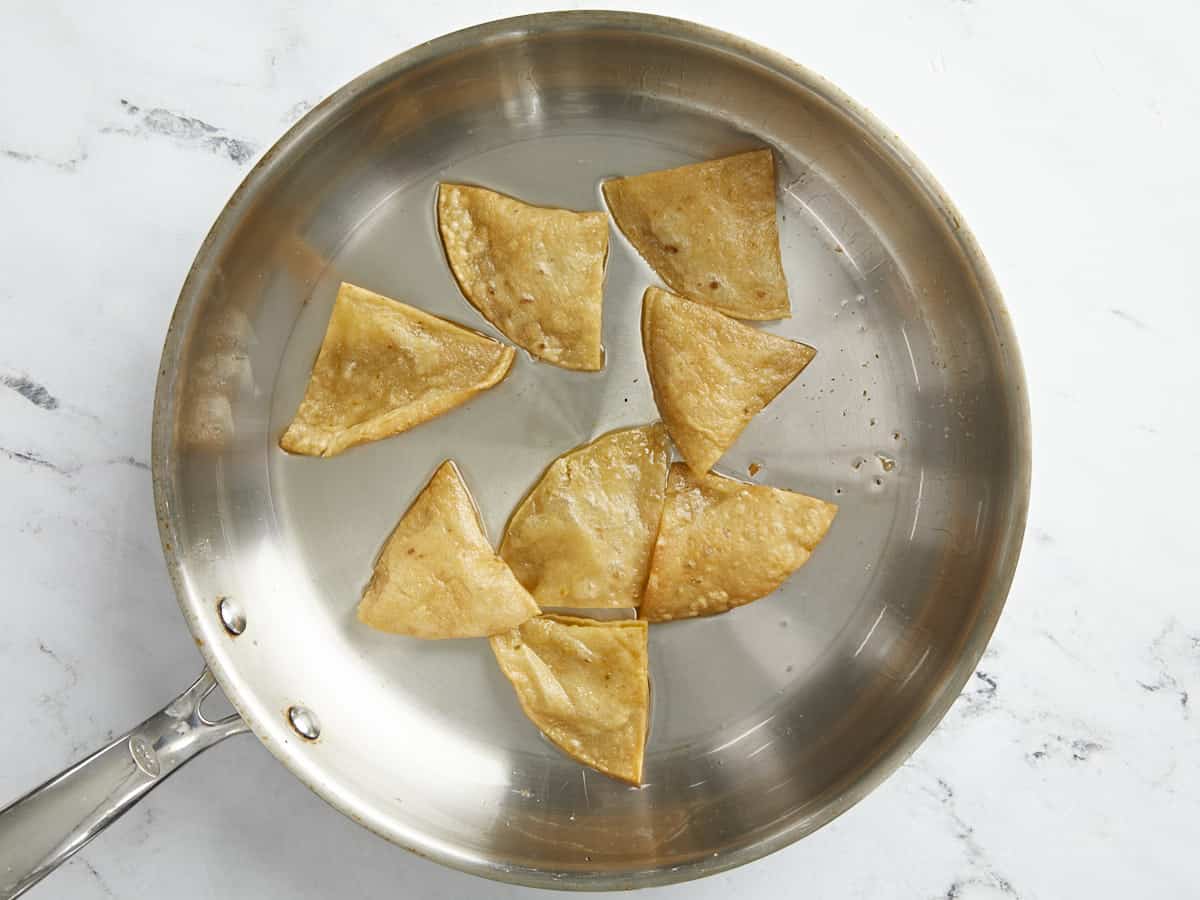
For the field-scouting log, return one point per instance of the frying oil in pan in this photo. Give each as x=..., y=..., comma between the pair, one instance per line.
x=716, y=681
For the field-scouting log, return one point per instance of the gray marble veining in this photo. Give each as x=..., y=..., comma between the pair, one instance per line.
x=1067, y=768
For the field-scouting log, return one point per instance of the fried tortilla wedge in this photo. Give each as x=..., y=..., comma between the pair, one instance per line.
x=385, y=366
x=582, y=537
x=437, y=576
x=709, y=231
x=585, y=685
x=723, y=543
x=710, y=374
x=534, y=272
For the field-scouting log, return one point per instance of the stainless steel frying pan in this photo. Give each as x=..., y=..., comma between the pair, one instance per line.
x=767, y=722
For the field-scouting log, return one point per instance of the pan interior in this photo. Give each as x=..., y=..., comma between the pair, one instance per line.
x=767, y=721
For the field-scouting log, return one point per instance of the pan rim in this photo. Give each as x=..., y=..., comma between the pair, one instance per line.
x=1005, y=559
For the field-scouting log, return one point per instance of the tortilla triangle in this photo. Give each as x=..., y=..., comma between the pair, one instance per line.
x=535, y=272
x=585, y=685
x=723, y=543
x=582, y=537
x=385, y=366
x=437, y=576
x=709, y=231
x=710, y=374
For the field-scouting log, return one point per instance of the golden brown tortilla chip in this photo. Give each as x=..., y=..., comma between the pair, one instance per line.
x=710, y=374
x=536, y=273
x=709, y=231
x=723, y=543
x=437, y=576
x=585, y=685
x=582, y=537
x=385, y=366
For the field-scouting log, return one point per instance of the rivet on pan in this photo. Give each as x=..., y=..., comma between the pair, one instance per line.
x=232, y=616
x=305, y=722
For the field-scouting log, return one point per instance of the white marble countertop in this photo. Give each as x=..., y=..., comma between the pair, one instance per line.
x=1069, y=136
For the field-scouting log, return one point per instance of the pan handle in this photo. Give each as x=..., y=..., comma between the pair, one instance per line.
x=40, y=831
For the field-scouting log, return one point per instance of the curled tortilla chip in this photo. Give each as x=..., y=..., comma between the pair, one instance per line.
x=585, y=685
x=583, y=536
x=709, y=231
x=437, y=576
x=534, y=272
x=710, y=374
x=385, y=366
x=723, y=543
